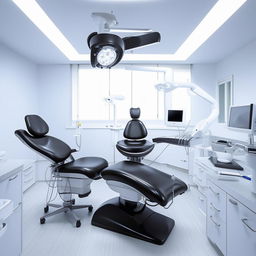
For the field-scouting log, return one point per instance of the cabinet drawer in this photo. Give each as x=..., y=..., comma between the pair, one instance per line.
x=216, y=196
x=202, y=203
x=241, y=229
x=28, y=176
x=216, y=216
x=216, y=231
x=10, y=242
x=11, y=188
x=28, y=183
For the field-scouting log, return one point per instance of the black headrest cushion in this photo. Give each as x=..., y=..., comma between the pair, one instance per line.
x=135, y=113
x=36, y=125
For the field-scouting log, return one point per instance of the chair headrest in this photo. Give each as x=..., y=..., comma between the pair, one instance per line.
x=135, y=113
x=36, y=125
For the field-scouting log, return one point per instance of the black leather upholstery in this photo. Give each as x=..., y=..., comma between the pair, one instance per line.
x=36, y=125
x=135, y=129
x=50, y=147
x=137, y=147
x=157, y=186
x=135, y=113
x=57, y=150
x=88, y=166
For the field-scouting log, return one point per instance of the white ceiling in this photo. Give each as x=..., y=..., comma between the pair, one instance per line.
x=174, y=19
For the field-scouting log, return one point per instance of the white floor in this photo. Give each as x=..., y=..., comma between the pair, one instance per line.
x=58, y=237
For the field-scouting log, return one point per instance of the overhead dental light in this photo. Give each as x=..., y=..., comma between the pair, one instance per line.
x=107, y=49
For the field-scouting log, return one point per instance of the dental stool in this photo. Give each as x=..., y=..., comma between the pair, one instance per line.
x=135, y=147
x=72, y=176
x=139, y=186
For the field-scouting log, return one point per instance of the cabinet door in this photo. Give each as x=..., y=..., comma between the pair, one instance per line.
x=241, y=229
x=10, y=242
x=11, y=188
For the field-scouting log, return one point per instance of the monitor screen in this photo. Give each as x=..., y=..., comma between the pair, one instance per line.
x=240, y=117
x=175, y=116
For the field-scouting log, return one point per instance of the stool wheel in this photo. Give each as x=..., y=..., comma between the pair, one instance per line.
x=78, y=223
x=46, y=209
x=42, y=220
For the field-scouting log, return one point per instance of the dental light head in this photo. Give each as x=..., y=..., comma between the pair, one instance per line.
x=107, y=49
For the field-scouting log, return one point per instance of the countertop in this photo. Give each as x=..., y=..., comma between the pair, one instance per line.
x=240, y=189
x=9, y=168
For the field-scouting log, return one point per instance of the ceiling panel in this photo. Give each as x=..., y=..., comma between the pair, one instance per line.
x=174, y=19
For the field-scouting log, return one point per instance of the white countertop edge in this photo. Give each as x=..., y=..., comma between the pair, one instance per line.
x=9, y=168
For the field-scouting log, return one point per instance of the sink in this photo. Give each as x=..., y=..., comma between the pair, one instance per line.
x=6, y=208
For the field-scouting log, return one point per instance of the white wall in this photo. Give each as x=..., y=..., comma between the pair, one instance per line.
x=205, y=76
x=242, y=65
x=18, y=97
x=55, y=107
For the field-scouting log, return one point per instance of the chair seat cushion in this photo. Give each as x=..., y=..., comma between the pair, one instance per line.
x=134, y=146
x=155, y=185
x=88, y=166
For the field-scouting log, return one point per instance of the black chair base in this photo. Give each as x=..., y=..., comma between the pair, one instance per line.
x=145, y=224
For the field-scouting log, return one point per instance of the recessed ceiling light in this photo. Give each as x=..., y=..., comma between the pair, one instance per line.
x=214, y=19
x=38, y=16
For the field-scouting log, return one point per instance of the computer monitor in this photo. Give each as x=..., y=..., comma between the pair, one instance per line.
x=174, y=117
x=243, y=118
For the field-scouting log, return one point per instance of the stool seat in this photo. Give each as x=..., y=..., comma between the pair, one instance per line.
x=138, y=148
x=155, y=185
x=91, y=167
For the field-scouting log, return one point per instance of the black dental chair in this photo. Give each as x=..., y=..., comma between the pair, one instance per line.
x=135, y=147
x=72, y=176
x=139, y=186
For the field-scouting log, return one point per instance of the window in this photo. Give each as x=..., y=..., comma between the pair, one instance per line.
x=225, y=99
x=91, y=86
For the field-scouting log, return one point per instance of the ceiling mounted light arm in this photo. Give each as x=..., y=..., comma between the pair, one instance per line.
x=132, y=42
x=107, y=22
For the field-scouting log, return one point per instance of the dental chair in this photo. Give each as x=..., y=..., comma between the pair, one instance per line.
x=139, y=186
x=135, y=147
x=72, y=176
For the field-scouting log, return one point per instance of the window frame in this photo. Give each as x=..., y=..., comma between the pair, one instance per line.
x=107, y=122
x=225, y=82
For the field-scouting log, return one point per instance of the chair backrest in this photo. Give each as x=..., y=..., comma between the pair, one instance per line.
x=135, y=129
x=38, y=140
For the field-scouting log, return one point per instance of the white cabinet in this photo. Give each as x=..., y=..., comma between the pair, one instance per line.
x=28, y=174
x=199, y=178
x=231, y=211
x=10, y=242
x=11, y=188
x=241, y=229
x=216, y=216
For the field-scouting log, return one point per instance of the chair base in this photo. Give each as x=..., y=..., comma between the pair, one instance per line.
x=68, y=206
x=146, y=224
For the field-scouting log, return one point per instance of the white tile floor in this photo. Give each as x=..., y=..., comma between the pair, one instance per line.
x=58, y=237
